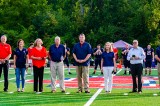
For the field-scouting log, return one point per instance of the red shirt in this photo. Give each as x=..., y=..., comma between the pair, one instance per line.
x=30, y=52
x=5, y=50
x=115, y=50
x=39, y=53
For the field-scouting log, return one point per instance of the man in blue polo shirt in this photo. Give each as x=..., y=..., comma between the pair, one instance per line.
x=81, y=53
x=57, y=55
x=157, y=57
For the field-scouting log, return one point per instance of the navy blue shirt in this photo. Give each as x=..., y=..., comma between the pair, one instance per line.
x=108, y=59
x=21, y=57
x=81, y=52
x=99, y=55
x=158, y=52
x=125, y=55
x=148, y=53
x=57, y=54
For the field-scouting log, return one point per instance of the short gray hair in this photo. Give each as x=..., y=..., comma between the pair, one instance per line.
x=4, y=36
x=135, y=41
x=57, y=37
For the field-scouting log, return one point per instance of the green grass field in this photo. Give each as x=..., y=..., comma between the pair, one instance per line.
x=116, y=98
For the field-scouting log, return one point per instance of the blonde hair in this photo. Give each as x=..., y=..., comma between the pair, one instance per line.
x=110, y=49
x=35, y=42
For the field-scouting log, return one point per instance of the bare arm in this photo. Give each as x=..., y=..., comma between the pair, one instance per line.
x=36, y=58
x=115, y=64
x=157, y=58
x=95, y=53
x=102, y=64
x=87, y=57
x=153, y=56
x=68, y=52
x=74, y=56
x=14, y=61
x=49, y=56
x=8, y=57
x=27, y=57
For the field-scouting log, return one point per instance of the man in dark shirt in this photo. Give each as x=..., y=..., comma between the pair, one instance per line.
x=149, y=52
x=66, y=60
x=157, y=57
x=98, y=55
x=125, y=61
x=82, y=52
x=57, y=54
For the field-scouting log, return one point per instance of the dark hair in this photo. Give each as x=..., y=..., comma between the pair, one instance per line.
x=31, y=44
x=19, y=42
x=99, y=45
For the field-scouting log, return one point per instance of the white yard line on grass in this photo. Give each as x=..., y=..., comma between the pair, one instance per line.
x=119, y=71
x=26, y=76
x=9, y=79
x=90, y=101
x=14, y=78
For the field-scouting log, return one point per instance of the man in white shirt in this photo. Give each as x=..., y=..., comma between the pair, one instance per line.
x=136, y=56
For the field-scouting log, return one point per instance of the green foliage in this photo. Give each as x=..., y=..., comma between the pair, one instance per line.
x=99, y=20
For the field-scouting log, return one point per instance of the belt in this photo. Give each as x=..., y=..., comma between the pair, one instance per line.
x=57, y=61
x=137, y=64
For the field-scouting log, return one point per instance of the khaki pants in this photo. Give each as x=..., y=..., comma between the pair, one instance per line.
x=158, y=67
x=57, y=68
x=83, y=72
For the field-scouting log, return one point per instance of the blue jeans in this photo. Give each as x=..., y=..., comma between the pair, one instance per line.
x=20, y=72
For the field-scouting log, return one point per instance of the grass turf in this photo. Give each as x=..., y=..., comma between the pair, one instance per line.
x=116, y=98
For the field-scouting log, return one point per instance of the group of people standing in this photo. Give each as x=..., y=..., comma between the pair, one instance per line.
x=82, y=51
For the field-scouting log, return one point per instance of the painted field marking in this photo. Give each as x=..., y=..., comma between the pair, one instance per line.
x=119, y=71
x=14, y=78
x=90, y=101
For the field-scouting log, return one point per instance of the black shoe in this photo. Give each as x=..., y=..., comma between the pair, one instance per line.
x=101, y=73
x=94, y=72
x=69, y=73
x=133, y=91
x=87, y=91
x=5, y=90
x=125, y=73
x=63, y=91
x=79, y=91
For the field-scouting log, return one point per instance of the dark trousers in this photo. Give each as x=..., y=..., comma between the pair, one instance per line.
x=136, y=71
x=97, y=62
x=66, y=61
x=38, y=76
x=5, y=69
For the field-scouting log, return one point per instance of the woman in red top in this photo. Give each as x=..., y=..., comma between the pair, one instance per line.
x=38, y=56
